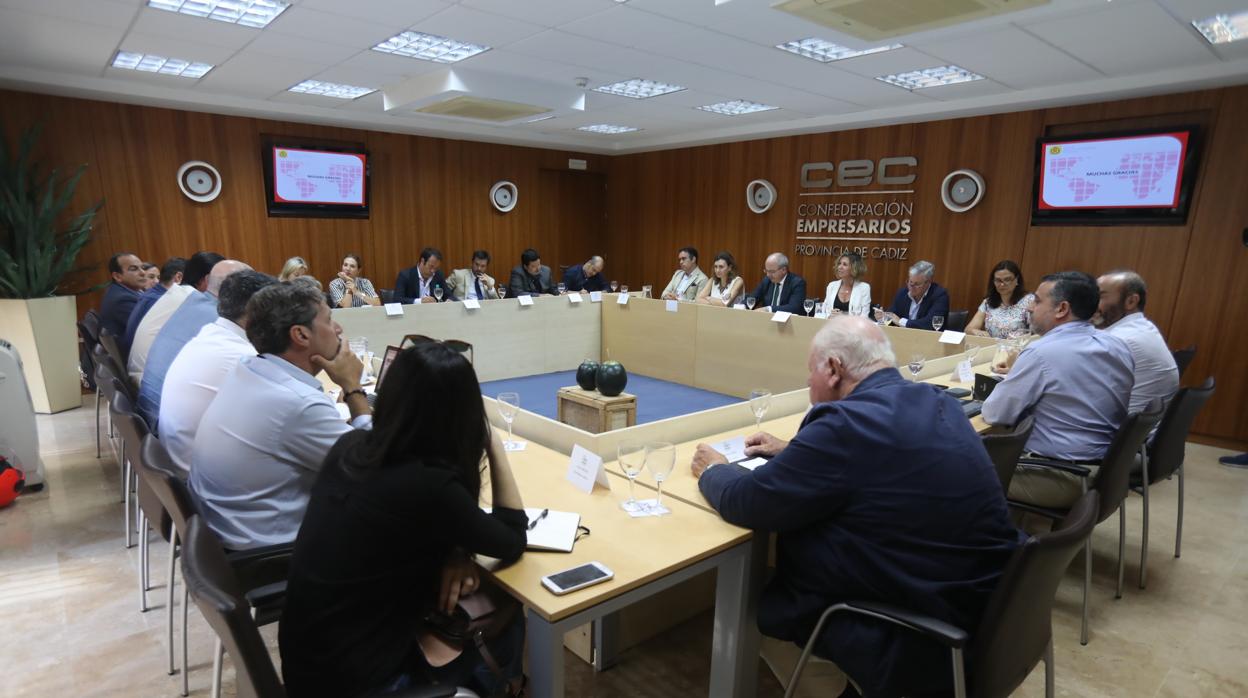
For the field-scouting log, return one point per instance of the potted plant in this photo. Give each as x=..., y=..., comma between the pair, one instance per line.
x=39, y=244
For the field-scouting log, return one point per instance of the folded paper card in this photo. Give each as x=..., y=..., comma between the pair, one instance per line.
x=472, y=304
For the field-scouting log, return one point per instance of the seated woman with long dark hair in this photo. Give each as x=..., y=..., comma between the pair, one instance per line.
x=393, y=516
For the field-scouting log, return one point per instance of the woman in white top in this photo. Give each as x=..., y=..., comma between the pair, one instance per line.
x=350, y=290
x=1006, y=311
x=847, y=294
x=725, y=287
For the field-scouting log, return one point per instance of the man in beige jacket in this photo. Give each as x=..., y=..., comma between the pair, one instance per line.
x=688, y=279
x=473, y=283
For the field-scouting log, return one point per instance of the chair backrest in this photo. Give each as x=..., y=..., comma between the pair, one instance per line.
x=89, y=325
x=133, y=433
x=213, y=585
x=956, y=322
x=109, y=342
x=1005, y=449
x=163, y=477
x=1183, y=358
x=1114, y=478
x=1015, y=629
x=1165, y=454
x=106, y=374
x=387, y=295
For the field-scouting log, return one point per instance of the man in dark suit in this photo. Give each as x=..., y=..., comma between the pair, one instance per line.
x=779, y=290
x=862, y=515
x=919, y=300
x=586, y=277
x=531, y=277
x=417, y=284
x=121, y=295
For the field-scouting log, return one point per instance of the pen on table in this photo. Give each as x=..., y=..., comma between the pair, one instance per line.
x=533, y=523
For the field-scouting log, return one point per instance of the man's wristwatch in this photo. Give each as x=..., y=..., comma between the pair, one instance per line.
x=354, y=391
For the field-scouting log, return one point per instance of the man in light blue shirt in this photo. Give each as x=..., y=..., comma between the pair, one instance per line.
x=1075, y=380
x=263, y=439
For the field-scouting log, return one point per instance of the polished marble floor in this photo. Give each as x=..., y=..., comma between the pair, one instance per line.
x=70, y=624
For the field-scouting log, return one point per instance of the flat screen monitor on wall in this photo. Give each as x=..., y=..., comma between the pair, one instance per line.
x=309, y=180
x=1123, y=178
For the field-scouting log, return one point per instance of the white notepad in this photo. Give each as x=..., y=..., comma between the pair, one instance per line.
x=556, y=531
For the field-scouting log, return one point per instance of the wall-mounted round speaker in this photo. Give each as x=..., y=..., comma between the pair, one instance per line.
x=962, y=190
x=760, y=195
x=199, y=181
x=504, y=195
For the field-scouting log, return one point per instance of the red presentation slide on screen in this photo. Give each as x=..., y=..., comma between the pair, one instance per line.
x=1127, y=172
x=317, y=177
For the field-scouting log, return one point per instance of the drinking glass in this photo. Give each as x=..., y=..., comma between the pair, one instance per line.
x=502, y=291
x=879, y=315
x=562, y=288
x=660, y=457
x=808, y=305
x=938, y=321
x=624, y=289
x=615, y=286
x=917, y=361
x=508, y=406
x=645, y=290
x=437, y=293
x=359, y=347
x=749, y=302
x=760, y=402
x=632, y=458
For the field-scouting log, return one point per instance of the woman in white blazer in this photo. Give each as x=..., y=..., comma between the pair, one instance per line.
x=847, y=294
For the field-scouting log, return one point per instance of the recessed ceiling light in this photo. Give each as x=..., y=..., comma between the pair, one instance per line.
x=931, y=77
x=638, y=88
x=430, y=47
x=331, y=89
x=825, y=51
x=1223, y=29
x=736, y=107
x=148, y=63
x=249, y=13
x=607, y=128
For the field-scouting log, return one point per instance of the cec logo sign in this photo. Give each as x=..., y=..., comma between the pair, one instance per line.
x=860, y=173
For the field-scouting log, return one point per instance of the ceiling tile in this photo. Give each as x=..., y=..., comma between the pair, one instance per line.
x=508, y=62
x=106, y=13
x=397, y=14
x=900, y=60
x=252, y=74
x=172, y=47
x=326, y=26
x=205, y=31
x=299, y=48
x=39, y=41
x=965, y=90
x=1014, y=57
x=548, y=13
x=388, y=65
x=477, y=27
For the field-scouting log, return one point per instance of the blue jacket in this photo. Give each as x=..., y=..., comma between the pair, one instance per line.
x=792, y=294
x=886, y=495
x=936, y=302
x=138, y=312
x=198, y=310
x=407, y=286
x=115, y=310
x=574, y=279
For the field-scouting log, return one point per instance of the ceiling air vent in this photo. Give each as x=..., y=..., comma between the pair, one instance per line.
x=874, y=20
x=482, y=109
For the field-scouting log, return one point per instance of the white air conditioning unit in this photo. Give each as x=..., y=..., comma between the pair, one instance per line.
x=18, y=434
x=874, y=20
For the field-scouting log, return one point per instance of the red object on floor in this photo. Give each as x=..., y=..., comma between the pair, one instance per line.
x=12, y=481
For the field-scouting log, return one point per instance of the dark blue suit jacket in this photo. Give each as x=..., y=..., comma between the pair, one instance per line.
x=792, y=294
x=574, y=279
x=138, y=312
x=115, y=309
x=863, y=514
x=407, y=286
x=936, y=302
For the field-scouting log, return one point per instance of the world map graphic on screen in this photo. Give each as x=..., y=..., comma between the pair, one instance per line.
x=318, y=177
x=1140, y=171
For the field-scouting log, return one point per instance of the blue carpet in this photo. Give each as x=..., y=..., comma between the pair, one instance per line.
x=656, y=399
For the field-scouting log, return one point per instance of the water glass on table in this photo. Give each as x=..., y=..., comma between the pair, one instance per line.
x=760, y=402
x=808, y=305
x=632, y=459
x=749, y=302
x=938, y=321
x=508, y=406
x=917, y=361
x=660, y=457
x=437, y=293
x=615, y=286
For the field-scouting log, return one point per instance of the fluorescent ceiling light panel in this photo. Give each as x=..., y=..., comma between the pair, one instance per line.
x=147, y=63
x=825, y=51
x=248, y=13
x=1223, y=29
x=429, y=47
x=931, y=77
x=331, y=89
x=638, y=88
x=607, y=128
x=736, y=107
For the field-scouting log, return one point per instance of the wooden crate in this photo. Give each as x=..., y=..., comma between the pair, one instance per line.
x=593, y=412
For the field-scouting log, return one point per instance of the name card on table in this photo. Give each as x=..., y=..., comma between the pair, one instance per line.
x=673, y=306
x=781, y=316
x=585, y=469
x=574, y=297
x=964, y=372
x=595, y=296
x=733, y=449
x=951, y=337
x=472, y=304
x=622, y=299
x=393, y=309
x=739, y=306
x=525, y=299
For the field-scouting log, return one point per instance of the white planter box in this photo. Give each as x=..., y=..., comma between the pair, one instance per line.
x=45, y=332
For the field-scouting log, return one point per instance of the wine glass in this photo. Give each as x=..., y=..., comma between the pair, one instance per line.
x=808, y=305
x=938, y=321
x=749, y=302
x=632, y=458
x=660, y=457
x=437, y=293
x=359, y=347
x=562, y=288
x=645, y=290
x=502, y=291
x=760, y=402
x=508, y=406
x=624, y=289
x=880, y=319
x=615, y=285
x=917, y=361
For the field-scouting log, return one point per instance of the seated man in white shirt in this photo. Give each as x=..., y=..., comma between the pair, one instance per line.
x=1121, y=314
x=200, y=368
x=263, y=439
x=194, y=278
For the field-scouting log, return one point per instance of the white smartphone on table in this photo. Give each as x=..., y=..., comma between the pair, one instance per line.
x=577, y=577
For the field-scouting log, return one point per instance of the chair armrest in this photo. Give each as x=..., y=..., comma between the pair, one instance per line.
x=259, y=567
x=946, y=634
x=1080, y=470
x=267, y=594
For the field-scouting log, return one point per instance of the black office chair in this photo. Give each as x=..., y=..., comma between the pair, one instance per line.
x=1112, y=484
x=387, y=295
x=89, y=331
x=113, y=388
x=149, y=509
x=956, y=322
x=1005, y=448
x=1015, y=632
x=214, y=585
x=1183, y=358
x=109, y=341
x=1163, y=458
